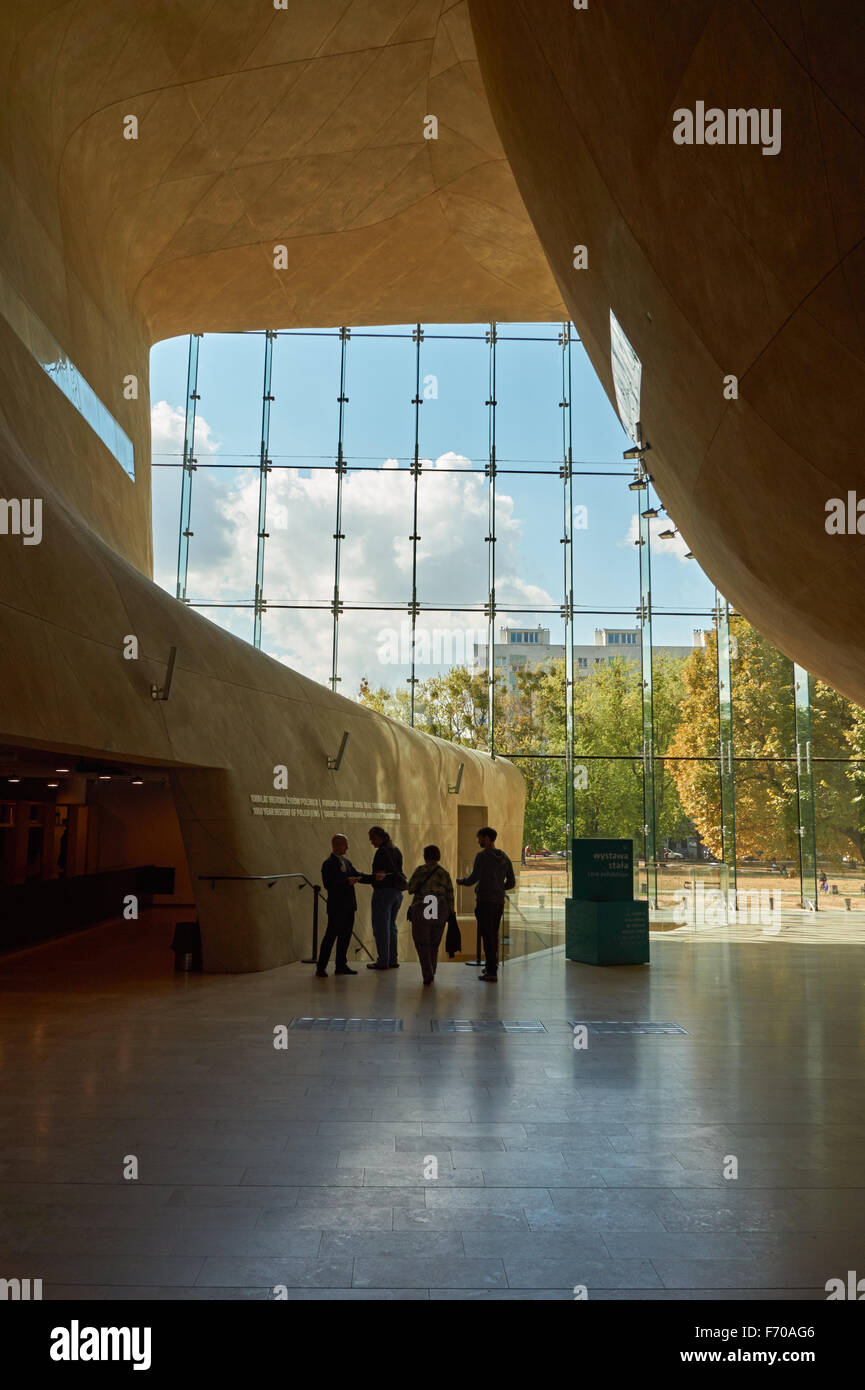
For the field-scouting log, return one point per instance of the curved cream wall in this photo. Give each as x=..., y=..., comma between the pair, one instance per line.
x=716, y=260
x=254, y=126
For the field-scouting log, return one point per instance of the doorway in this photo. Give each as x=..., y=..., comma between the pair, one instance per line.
x=470, y=819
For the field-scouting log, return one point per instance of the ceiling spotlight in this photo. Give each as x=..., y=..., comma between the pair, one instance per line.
x=61, y=769
x=689, y=555
x=14, y=779
x=138, y=781
x=637, y=451
x=52, y=784
x=668, y=535
x=650, y=512
x=105, y=777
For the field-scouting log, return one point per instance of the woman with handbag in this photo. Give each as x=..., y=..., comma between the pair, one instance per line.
x=432, y=892
x=388, y=884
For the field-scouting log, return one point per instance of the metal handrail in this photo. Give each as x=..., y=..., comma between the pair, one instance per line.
x=270, y=880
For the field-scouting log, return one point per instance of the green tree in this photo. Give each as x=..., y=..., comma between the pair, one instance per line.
x=531, y=728
x=764, y=743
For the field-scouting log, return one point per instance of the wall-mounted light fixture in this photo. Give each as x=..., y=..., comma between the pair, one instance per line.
x=455, y=789
x=333, y=763
x=638, y=451
x=163, y=693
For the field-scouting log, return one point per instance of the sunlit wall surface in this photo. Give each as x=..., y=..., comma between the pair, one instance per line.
x=438, y=521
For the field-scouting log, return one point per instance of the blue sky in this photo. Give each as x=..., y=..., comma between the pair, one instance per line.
x=379, y=429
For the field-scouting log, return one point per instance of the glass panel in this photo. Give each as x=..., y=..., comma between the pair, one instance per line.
x=304, y=413
x=767, y=825
x=838, y=789
x=805, y=780
x=237, y=621
x=230, y=382
x=452, y=552
x=165, y=501
x=764, y=721
x=678, y=582
x=380, y=385
x=606, y=554
x=608, y=804
x=691, y=738
x=376, y=558
x=836, y=723
x=454, y=418
x=302, y=639
x=535, y=912
x=607, y=688
x=689, y=840
x=529, y=530
x=301, y=518
x=529, y=412
x=223, y=544
x=55, y=362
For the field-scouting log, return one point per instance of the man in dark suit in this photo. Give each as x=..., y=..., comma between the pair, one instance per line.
x=338, y=876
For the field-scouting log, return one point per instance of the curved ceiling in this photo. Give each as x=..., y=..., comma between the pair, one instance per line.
x=718, y=261
x=258, y=127
x=304, y=127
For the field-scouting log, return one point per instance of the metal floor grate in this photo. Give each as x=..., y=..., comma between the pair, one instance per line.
x=613, y=1027
x=347, y=1025
x=486, y=1025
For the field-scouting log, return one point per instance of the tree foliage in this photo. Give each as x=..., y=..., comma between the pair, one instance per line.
x=608, y=718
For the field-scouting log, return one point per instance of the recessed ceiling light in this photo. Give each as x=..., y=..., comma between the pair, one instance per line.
x=52, y=784
x=14, y=779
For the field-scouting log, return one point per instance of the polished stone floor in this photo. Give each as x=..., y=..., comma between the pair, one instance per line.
x=310, y=1166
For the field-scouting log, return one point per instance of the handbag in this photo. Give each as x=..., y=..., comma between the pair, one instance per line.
x=417, y=911
x=453, y=940
x=419, y=893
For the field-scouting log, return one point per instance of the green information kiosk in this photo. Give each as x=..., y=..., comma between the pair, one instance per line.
x=604, y=923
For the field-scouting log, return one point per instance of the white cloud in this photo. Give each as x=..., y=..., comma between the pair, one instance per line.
x=677, y=547
x=168, y=426
x=376, y=559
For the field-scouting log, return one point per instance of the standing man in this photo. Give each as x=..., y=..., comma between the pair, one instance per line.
x=388, y=882
x=338, y=876
x=493, y=873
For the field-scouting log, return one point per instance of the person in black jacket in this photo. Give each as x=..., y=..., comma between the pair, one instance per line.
x=493, y=873
x=387, y=881
x=338, y=876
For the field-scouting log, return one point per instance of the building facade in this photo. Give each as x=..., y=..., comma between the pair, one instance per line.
x=521, y=647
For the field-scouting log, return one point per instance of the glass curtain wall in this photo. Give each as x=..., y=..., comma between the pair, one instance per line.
x=438, y=521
